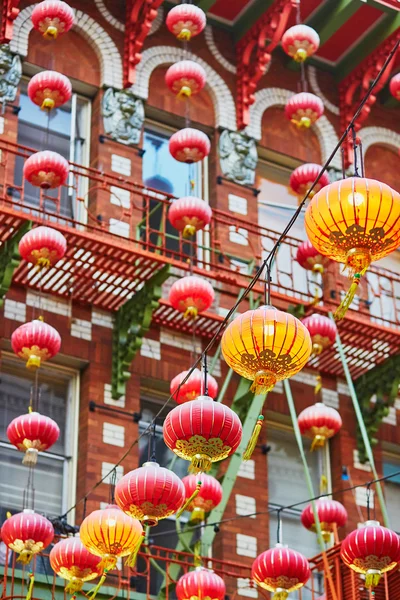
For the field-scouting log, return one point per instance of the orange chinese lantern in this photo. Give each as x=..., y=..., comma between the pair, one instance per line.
x=323, y=332
x=193, y=387
x=331, y=514
x=281, y=570
x=27, y=533
x=200, y=584
x=49, y=89
x=189, y=145
x=35, y=342
x=52, y=18
x=304, y=109
x=32, y=433
x=185, y=78
x=310, y=259
x=300, y=42
x=266, y=345
x=46, y=169
x=189, y=215
x=319, y=423
x=203, y=432
x=191, y=295
x=304, y=176
x=43, y=246
x=208, y=498
x=354, y=221
x=186, y=21
x=395, y=86
x=70, y=560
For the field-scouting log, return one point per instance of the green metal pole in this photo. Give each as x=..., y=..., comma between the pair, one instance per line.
x=362, y=427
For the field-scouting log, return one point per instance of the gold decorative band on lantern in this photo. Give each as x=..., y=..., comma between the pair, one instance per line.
x=189, y=500
x=253, y=439
x=200, y=463
x=25, y=556
x=264, y=381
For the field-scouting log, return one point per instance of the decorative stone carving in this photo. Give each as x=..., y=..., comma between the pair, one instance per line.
x=123, y=116
x=238, y=157
x=10, y=74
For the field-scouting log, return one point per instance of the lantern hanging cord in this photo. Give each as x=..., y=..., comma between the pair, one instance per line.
x=205, y=375
x=266, y=264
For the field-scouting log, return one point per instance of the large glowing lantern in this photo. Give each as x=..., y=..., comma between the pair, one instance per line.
x=193, y=387
x=331, y=514
x=35, y=342
x=52, y=18
x=185, y=78
x=304, y=176
x=49, y=89
x=395, y=86
x=266, y=345
x=372, y=551
x=70, y=560
x=111, y=534
x=208, y=498
x=32, y=433
x=189, y=215
x=42, y=246
x=310, y=259
x=27, y=533
x=46, y=169
x=304, y=109
x=281, y=570
x=150, y=493
x=319, y=423
x=200, y=584
x=300, y=42
x=354, y=221
x=323, y=332
x=186, y=21
x=189, y=145
x=203, y=432
x=191, y=295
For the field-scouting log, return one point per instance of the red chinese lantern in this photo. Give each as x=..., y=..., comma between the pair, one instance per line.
x=300, y=42
x=46, y=169
x=193, y=387
x=35, y=342
x=150, y=493
x=371, y=551
x=203, y=432
x=70, y=560
x=52, y=18
x=319, y=423
x=310, y=259
x=191, y=295
x=43, y=246
x=189, y=145
x=331, y=514
x=189, y=215
x=185, y=78
x=186, y=21
x=304, y=109
x=304, y=176
x=281, y=570
x=32, y=433
x=200, y=584
x=395, y=86
x=49, y=89
x=209, y=497
x=323, y=332
x=27, y=533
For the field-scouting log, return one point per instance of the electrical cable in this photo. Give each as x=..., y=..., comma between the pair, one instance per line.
x=266, y=265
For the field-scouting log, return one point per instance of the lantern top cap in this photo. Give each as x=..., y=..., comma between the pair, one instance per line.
x=279, y=545
x=372, y=523
x=204, y=398
x=150, y=463
x=28, y=511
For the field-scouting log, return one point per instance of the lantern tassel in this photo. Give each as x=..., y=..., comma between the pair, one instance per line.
x=372, y=578
x=200, y=463
x=252, y=443
x=184, y=35
x=197, y=516
x=190, y=313
x=30, y=457
x=318, y=384
x=131, y=560
x=263, y=382
x=30, y=588
x=25, y=557
x=184, y=93
x=189, y=231
x=280, y=595
x=318, y=442
x=349, y=297
x=75, y=585
x=94, y=591
x=190, y=500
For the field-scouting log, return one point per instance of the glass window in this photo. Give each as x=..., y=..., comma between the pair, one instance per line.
x=392, y=492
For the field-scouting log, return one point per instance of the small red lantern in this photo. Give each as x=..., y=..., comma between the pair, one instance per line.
x=43, y=246
x=281, y=570
x=52, y=18
x=185, y=78
x=323, y=332
x=331, y=514
x=304, y=176
x=70, y=560
x=150, y=493
x=209, y=497
x=191, y=295
x=27, y=533
x=304, y=109
x=189, y=215
x=320, y=423
x=46, y=169
x=49, y=89
x=372, y=551
x=35, y=342
x=203, y=432
x=300, y=42
x=395, y=86
x=32, y=433
x=186, y=21
x=193, y=387
x=189, y=145
x=310, y=259
x=200, y=584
